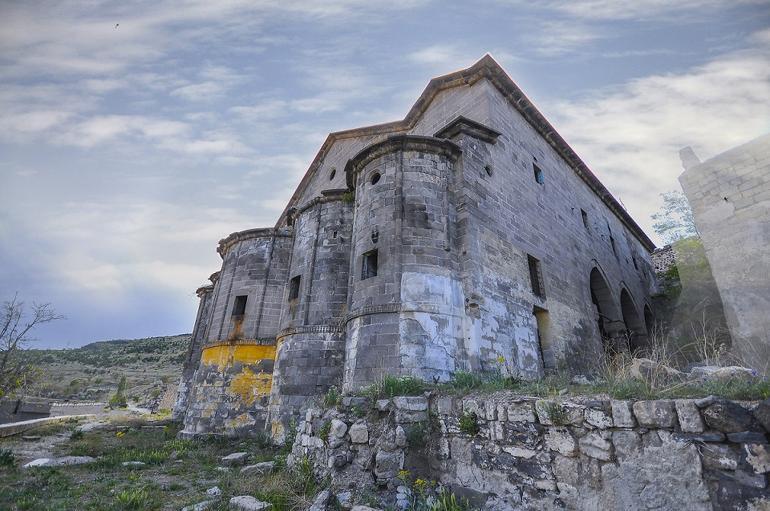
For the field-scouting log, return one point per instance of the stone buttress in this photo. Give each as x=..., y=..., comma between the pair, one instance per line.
x=232, y=384
x=311, y=346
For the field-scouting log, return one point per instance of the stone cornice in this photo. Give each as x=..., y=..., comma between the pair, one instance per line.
x=332, y=195
x=469, y=127
x=266, y=232
x=309, y=329
x=203, y=290
x=397, y=143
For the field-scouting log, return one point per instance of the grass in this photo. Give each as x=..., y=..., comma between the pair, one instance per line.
x=177, y=473
x=392, y=386
x=469, y=423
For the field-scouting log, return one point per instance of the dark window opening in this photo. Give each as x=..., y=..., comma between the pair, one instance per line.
x=294, y=288
x=636, y=266
x=539, y=176
x=334, y=234
x=536, y=276
x=239, y=307
x=585, y=218
x=332, y=174
x=369, y=265
x=612, y=242
x=375, y=178
x=488, y=169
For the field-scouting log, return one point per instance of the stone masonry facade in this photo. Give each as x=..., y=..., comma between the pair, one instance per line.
x=466, y=237
x=730, y=198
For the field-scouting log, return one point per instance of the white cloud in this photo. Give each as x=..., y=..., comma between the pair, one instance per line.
x=557, y=37
x=630, y=135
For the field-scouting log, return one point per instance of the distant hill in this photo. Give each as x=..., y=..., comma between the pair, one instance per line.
x=151, y=366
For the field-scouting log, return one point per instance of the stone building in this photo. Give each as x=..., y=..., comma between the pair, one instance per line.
x=466, y=237
x=730, y=198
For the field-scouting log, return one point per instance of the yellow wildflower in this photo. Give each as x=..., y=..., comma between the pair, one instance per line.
x=403, y=475
x=500, y=359
x=120, y=434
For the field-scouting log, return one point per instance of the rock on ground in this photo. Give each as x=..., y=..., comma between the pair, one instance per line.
x=259, y=468
x=248, y=503
x=59, y=462
x=200, y=506
x=234, y=459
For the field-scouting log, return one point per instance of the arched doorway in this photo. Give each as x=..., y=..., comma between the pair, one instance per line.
x=603, y=309
x=635, y=330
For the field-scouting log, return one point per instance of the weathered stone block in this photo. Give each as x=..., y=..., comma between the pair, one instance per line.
x=387, y=464
x=597, y=418
x=622, y=414
x=560, y=439
x=359, y=433
x=719, y=457
x=596, y=446
x=689, y=416
x=728, y=417
x=235, y=459
x=338, y=428
x=655, y=414
x=521, y=412
x=758, y=457
x=626, y=443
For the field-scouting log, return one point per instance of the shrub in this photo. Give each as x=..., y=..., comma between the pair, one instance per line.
x=469, y=423
x=331, y=398
x=118, y=400
x=7, y=458
x=134, y=498
x=323, y=433
x=392, y=386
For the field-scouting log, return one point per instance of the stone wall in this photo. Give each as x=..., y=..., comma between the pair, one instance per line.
x=730, y=198
x=231, y=390
x=503, y=451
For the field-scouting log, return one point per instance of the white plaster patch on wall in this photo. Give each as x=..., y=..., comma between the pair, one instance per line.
x=420, y=288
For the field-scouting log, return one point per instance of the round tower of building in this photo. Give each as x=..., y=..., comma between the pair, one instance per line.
x=310, y=343
x=406, y=303
x=234, y=376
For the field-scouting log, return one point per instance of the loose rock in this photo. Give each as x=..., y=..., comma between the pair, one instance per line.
x=235, y=459
x=59, y=462
x=248, y=503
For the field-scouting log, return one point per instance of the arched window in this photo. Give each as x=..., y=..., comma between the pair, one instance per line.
x=603, y=307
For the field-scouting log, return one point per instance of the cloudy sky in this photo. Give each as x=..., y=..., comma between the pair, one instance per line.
x=134, y=135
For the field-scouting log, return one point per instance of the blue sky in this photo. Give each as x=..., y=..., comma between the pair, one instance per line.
x=127, y=151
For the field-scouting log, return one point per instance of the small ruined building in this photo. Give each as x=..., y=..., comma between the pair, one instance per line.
x=466, y=237
x=730, y=199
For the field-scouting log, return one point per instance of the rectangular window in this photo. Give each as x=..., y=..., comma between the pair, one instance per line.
x=536, y=276
x=539, y=177
x=239, y=307
x=633, y=259
x=585, y=218
x=294, y=288
x=369, y=265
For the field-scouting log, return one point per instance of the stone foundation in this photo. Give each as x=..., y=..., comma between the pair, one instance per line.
x=503, y=451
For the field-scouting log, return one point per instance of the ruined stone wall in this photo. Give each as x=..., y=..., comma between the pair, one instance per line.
x=730, y=198
x=503, y=451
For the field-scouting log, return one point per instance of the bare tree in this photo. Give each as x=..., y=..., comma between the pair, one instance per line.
x=16, y=325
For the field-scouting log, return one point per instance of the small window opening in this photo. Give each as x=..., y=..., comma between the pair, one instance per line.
x=636, y=266
x=239, y=307
x=612, y=242
x=334, y=234
x=294, y=288
x=488, y=169
x=536, y=276
x=369, y=265
x=332, y=174
x=539, y=176
x=375, y=178
x=585, y=218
